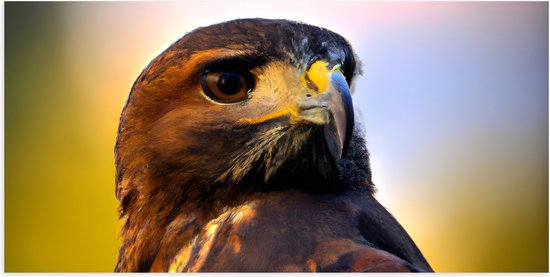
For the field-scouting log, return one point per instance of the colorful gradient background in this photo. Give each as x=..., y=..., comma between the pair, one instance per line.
x=453, y=97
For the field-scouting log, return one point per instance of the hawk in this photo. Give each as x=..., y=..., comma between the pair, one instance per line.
x=237, y=151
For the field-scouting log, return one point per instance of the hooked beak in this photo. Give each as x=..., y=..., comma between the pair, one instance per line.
x=328, y=102
x=325, y=100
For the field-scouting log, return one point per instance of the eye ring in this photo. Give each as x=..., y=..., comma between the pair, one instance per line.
x=227, y=86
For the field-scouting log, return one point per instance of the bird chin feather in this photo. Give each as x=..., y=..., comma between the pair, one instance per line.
x=285, y=156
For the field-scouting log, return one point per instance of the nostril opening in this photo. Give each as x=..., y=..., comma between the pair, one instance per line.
x=308, y=95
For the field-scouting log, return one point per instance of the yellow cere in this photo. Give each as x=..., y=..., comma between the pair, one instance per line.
x=318, y=74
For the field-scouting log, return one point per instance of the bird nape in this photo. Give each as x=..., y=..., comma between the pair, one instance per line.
x=237, y=151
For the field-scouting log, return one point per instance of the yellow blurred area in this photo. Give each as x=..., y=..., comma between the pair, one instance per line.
x=489, y=215
x=70, y=66
x=61, y=117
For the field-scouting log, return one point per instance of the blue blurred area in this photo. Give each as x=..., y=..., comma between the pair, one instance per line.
x=487, y=70
x=455, y=104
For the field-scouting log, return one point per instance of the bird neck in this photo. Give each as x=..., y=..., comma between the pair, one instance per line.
x=163, y=212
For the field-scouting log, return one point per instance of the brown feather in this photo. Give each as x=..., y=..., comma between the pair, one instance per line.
x=200, y=189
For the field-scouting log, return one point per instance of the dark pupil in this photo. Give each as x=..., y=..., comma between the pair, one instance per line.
x=230, y=83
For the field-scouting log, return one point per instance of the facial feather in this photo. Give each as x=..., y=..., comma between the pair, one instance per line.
x=179, y=152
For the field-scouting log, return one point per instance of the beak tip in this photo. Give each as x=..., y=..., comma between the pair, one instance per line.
x=345, y=115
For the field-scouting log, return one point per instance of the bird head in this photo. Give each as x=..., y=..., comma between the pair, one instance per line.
x=250, y=104
x=228, y=111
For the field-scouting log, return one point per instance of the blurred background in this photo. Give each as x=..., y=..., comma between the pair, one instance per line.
x=453, y=99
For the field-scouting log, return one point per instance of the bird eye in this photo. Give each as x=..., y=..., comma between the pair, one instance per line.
x=227, y=87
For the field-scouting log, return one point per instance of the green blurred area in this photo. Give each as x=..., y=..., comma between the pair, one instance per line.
x=60, y=208
x=488, y=212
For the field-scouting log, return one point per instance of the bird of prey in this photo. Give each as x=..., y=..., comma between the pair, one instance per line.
x=237, y=151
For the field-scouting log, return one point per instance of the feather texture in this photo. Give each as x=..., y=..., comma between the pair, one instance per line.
x=208, y=186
